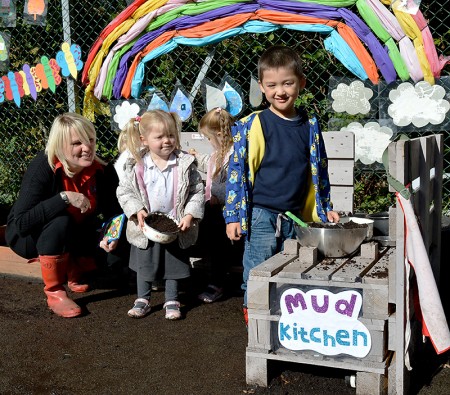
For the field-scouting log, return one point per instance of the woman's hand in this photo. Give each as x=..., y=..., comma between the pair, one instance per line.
x=78, y=200
x=108, y=247
x=186, y=222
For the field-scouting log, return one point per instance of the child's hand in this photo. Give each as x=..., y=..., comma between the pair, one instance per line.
x=186, y=222
x=234, y=231
x=333, y=216
x=141, y=215
x=108, y=247
x=193, y=151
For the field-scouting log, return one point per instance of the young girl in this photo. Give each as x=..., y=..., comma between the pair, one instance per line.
x=216, y=126
x=159, y=178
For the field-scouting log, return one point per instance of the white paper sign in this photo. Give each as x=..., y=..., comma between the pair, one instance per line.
x=324, y=322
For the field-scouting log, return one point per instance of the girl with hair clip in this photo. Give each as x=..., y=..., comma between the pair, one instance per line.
x=216, y=126
x=159, y=177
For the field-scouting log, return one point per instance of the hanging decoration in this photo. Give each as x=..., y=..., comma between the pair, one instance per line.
x=158, y=101
x=4, y=51
x=69, y=59
x=180, y=102
x=255, y=95
x=233, y=95
x=409, y=6
x=33, y=79
x=371, y=139
x=420, y=104
x=35, y=12
x=213, y=96
x=124, y=110
x=352, y=99
x=8, y=13
x=381, y=46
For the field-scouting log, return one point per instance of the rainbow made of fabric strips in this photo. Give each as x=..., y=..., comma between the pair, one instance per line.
x=395, y=45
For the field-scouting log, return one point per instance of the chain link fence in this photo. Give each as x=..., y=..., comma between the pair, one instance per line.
x=23, y=130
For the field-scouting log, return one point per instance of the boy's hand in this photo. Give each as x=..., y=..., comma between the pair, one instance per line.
x=234, y=231
x=186, y=222
x=333, y=216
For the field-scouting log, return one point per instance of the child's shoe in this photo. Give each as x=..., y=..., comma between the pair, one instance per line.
x=140, y=309
x=172, y=310
x=211, y=294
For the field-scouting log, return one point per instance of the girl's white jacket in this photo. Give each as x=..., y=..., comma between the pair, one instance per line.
x=132, y=196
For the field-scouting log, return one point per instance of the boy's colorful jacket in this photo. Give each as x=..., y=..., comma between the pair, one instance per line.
x=249, y=147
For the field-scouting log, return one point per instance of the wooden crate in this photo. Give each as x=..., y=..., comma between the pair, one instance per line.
x=298, y=268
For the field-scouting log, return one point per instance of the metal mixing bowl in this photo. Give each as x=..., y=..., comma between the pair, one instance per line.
x=332, y=241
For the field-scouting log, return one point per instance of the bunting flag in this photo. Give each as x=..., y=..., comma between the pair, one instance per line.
x=376, y=43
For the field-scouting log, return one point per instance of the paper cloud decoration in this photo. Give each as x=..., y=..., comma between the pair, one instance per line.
x=124, y=112
x=420, y=104
x=370, y=141
x=353, y=98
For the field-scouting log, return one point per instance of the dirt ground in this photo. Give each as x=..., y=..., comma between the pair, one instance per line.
x=106, y=352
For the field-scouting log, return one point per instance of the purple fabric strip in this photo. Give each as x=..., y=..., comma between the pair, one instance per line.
x=183, y=22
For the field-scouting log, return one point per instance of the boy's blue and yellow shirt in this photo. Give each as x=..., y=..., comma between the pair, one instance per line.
x=248, y=152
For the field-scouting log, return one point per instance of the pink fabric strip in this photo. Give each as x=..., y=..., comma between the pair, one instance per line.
x=407, y=50
x=436, y=63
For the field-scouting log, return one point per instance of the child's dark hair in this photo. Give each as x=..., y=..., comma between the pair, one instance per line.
x=130, y=136
x=217, y=121
x=280, y=56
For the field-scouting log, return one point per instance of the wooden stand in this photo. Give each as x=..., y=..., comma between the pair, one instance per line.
x=377, y=272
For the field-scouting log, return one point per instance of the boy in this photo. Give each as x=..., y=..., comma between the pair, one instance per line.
x=279, y=164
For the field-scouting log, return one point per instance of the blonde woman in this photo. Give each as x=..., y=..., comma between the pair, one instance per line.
x=55, y=218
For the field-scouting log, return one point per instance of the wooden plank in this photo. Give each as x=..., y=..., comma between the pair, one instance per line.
x=258, y=293
x=402, y=169
x=375, y=302
x=353, y=269
x=371, y=383
x=273, y=265
x=339, y=144
x=342, y=198
x=256, y=369
x=341, y=171
x=296, y=269
x=379, y=273
x=391, y=332
x=324, y=269
x=312, y=358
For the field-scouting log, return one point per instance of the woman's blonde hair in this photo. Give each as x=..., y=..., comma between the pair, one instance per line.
x=217, y=121
x=130, y=137
x=61, y=135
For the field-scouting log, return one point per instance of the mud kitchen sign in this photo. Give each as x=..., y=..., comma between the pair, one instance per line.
x=324, y=322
